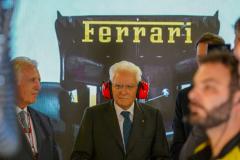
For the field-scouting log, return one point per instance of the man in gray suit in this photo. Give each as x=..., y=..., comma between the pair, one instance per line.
x=122, y=129
x=37, y=140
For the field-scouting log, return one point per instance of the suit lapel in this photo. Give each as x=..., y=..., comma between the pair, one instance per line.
x=112, y=124
x=24, y=141
x=137, y=127
x=40, y=136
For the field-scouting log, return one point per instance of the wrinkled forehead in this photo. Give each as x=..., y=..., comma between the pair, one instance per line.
x=28, y=71
x=125, y=76
x=27, y=67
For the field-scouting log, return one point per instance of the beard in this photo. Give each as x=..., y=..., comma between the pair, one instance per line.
x=215, y=117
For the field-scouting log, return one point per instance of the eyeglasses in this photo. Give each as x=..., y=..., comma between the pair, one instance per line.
x=121, y=86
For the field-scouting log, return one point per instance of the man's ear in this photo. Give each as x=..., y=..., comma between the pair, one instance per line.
x=235, y=112
x=236, y=99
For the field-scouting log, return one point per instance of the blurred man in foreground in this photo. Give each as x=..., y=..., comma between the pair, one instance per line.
x=182, y=129
x=215, y=106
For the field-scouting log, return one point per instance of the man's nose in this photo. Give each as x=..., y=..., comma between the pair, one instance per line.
x=193, y=94
x=124, y=90
x=37, y=85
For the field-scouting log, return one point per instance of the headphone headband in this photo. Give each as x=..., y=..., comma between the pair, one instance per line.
x=142, y=91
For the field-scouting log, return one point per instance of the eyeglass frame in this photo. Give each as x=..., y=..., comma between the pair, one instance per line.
x=121, y=86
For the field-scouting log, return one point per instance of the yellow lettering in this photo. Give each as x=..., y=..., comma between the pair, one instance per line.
x=88, y=32
x=156, y=37
x=137, y=32
x=105, y=34
x=172, y=32
x=188, y=35
x=120, y=32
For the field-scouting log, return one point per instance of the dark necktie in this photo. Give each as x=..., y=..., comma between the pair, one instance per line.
x=127, y=125
x=23, y=118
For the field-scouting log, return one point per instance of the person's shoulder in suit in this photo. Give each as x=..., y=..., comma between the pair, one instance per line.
x=44, y=120
x=146, y=108
x=99, y=107
x=181, y=128
x=94, y=112
x=154, y=122
x=47, y=125
x=182, y=103
x=36, y=112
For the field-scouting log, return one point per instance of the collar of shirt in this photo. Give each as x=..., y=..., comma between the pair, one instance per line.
x=119, y=110
x=19, y=109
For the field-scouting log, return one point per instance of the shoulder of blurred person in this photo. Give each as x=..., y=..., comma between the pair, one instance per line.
x=196, y=137
x=215, y=106
x=181, y=127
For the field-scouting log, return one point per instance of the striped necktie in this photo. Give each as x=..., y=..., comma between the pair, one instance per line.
x=23, y=118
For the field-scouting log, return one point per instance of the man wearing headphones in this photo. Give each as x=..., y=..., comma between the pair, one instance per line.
x=122, y=129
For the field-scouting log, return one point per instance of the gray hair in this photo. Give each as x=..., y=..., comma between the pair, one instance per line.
x=126, y=66
x=19, y=62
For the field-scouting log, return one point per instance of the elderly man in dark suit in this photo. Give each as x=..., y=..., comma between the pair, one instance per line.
x=122, y=128
x=37, y=140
